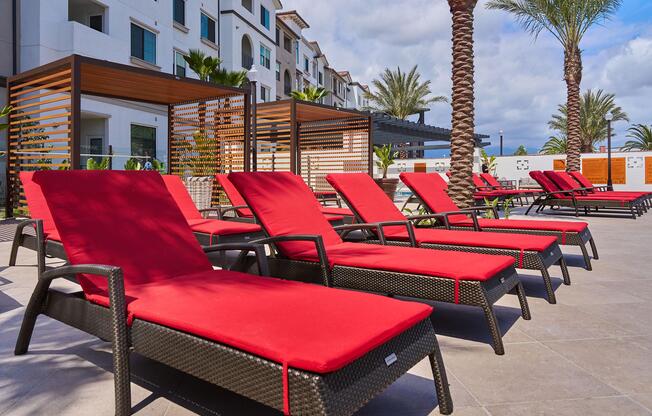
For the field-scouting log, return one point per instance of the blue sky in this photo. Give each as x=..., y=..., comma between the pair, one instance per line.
x=519, y=81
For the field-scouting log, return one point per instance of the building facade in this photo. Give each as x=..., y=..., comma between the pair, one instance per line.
x=286, y=65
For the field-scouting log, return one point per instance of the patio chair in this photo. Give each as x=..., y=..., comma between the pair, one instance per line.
x=493, y=182
x=371, y=205
x=307, y=241
x=591, y=189
x=429, y=190
x=481, y=192
x=561, y=191
x=208, y=231
x=335, y=215
x=298, y=348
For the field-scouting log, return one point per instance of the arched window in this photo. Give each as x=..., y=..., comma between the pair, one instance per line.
x=247, y=53
x=287, y=83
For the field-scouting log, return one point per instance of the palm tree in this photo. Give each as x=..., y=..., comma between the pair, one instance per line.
x=554, y=146
x=4, y=112
x=568, y=21
x=228, y=78
x=401, y=94
x=201, y=64
x=593, y=108
x=521, y=151
x=642, y=138
x=310, y=93
x=462, y=135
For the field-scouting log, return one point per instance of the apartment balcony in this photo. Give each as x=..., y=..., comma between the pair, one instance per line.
x=80, y=39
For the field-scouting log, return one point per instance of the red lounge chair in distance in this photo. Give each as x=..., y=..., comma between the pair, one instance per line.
x=371, y=205
x=335, y=215
x=591, y=189
x=493, y=182
x=430, y=191
x=299, y=348
x=308, y=241
x=479, y=194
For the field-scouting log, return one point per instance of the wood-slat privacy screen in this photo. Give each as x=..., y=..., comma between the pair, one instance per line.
x=208, y=137
x=40, y=128
x=332, y=146
x=274, y=138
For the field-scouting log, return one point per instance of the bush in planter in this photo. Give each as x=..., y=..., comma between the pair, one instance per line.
x=386, y=158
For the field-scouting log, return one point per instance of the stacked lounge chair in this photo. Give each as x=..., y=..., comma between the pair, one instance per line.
x=591, y=189
x=308, y=241
x=371, y=205
x=430, y=190
x=494, y=184
x=300, y=348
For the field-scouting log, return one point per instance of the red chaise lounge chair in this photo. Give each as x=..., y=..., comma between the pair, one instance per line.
x=432, y=195
x=335, y=215
x=591, y=189
x=299, y=348
x=493, y=182
x=371, y=205
x=307, y=241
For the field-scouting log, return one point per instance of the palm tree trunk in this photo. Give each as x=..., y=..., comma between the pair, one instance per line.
x=462, y=137
x=573, y=78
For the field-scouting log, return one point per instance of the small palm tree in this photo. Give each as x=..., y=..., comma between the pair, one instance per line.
x=201, y=64
x=554, y=146
x=310, y=93
x=228, y=78
x=401, y=94
x=641, y=136
x=594, y=106
x=4, y=112
x=521, y=151
x=386, y=157
x=568, y=21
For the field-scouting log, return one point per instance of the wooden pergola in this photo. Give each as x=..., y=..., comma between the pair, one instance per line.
x=311, y=140
x=208, y=124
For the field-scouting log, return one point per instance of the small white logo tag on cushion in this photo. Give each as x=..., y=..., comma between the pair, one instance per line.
x=390, y=359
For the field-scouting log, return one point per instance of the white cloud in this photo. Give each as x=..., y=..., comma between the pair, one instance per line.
x=519, y=81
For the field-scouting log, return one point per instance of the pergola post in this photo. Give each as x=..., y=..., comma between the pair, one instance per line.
x=370, y=127
x=250, y=148
x=75, y=113
x=294, y=145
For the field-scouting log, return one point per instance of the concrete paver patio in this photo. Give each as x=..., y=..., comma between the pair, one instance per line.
x=590, y=354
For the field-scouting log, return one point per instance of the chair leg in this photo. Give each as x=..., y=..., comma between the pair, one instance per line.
x=587, y=259
x=548, y=283
x=564, y=271
x=34, y=308
x=522, y=299
x=18, y=240
x=441, y=382
x=494, y=330
x=594, y=249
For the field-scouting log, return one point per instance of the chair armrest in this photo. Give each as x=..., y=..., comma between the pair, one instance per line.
x=344, y=230
x=221, y=210
x=319, y=244
x=257, y=249
x=486, y=188
x=442, y=217
x=473, y=213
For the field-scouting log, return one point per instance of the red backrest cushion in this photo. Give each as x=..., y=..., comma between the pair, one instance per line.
x=428, y=187
x=179, y=192
x=561, y=179
x=581, y=179
x=234, y=196
x=478, y=182
x=367, y=199
x=490, y=180
x=285, y=206
x=547, y=185
x=121, y=218
x=38, y=208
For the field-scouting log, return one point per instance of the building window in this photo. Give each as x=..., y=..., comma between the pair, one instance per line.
x=207, y=28
x=287, y=83
x=247, y=53
x=334, y=85
x=278, y=71
x=179, y=12
x=143, y=141
x=314, y=69
x=96, y=22
x=179, y=64
x=264, y=17
x=321, y=78
x=249, y=5
x=143, y=44
x=287, y=42
x=306, y=64
x=265, y=56
x=278, y=37
x=264, y=94
x=296, y=52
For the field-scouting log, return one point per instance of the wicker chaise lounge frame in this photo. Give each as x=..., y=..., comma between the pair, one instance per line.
x=527, y=259
x=338, y=393
x=441, y=289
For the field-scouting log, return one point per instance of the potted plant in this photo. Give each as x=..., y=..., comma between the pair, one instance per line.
x=386, y=157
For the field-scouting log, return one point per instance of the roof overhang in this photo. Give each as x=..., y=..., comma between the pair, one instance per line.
x=309, y=112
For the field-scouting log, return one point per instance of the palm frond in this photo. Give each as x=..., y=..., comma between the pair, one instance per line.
x=641, y=136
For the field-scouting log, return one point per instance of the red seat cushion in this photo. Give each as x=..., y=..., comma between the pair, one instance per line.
x=429, y=187
x=306, y=326
x=440, y=263
x=484, y=239
x=180, y=194
x=234, y=196
x=217, y=227
x=342, y=212
x=560, y=226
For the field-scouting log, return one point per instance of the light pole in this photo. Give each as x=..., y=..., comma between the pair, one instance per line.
x=252, y=75
x=609, y=117
x=501, y=142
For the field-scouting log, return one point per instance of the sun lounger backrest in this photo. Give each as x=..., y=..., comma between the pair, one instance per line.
x=180, y=194
x=367, y=199
x=581, y=179
x=427, y=187
x=38, y=207
x=121, y=218
x=478, y=182
x=284, y=205
x=545, y=182
x=234, y=196
x=561, y=179
x=491, y=180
